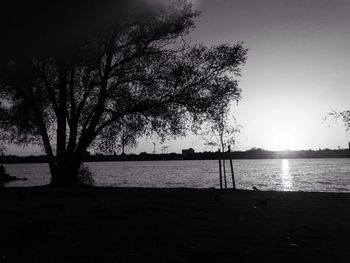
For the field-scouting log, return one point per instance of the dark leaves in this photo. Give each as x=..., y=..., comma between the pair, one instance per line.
x=133, y=76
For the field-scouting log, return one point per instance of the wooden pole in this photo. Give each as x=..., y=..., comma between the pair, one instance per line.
x=220, y=174
x=223, y=164
x=232, y=172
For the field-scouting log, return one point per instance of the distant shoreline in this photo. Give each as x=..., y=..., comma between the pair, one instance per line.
x=238, y=155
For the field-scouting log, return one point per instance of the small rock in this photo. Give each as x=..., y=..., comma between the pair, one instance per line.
x=294, y=245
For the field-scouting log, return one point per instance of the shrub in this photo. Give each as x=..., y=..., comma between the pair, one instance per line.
x=85, y=176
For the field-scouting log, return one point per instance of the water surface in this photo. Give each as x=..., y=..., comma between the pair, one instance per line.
x=325, y=175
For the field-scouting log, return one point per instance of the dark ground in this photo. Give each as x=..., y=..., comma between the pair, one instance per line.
x=172, y=225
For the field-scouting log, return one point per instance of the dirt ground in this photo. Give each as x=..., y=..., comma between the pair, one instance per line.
x=42, y=224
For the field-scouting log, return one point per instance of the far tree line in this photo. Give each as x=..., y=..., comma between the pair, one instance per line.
x=254, y=153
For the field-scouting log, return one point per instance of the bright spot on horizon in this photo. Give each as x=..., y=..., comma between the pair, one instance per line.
x=282, y=141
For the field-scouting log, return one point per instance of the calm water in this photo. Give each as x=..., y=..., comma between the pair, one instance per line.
x=326, y=175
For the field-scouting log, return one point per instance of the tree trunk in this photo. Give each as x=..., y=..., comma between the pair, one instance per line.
x=61, y=157
x=66, y=174
x=123, y=149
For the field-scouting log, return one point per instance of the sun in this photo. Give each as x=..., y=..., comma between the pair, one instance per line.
x=283, y=141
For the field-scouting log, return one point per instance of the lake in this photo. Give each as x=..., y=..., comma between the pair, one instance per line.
x=324, y=175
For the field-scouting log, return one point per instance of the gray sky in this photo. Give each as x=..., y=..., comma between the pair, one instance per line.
x=298, y=67
x=297, y=70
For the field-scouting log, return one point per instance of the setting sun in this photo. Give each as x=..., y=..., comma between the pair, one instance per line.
x=283, y=141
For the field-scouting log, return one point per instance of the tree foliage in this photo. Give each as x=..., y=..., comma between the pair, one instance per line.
x=344, y=116
x=2, y=149
x=136, y=77
x=221, y=131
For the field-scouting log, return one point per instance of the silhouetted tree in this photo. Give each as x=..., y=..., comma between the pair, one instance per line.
x=221, y=131
x=125, y=137
x=136, y=74
x=2, y=149
x=2, y=120
x=127, y=141
x=344, y=116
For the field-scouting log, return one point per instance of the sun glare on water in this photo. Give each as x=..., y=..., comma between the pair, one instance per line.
x=287, y=180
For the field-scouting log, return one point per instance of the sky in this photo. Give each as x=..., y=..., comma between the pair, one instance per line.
x=297, y=71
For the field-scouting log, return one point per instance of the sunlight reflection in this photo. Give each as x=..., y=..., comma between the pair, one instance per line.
x=287, y=181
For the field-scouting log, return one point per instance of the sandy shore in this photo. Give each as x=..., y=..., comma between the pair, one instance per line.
x=172, y=225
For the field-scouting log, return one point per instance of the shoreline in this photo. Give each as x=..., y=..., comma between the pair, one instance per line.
x=161, y=189
x=109, y=224
x=268, y=155
x=170, y=160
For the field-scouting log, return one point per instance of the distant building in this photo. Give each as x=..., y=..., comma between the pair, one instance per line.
x=187, y=152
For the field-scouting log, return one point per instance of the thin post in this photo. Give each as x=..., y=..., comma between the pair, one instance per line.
x=220, y=174
x=232, y=172
x=223, y=164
